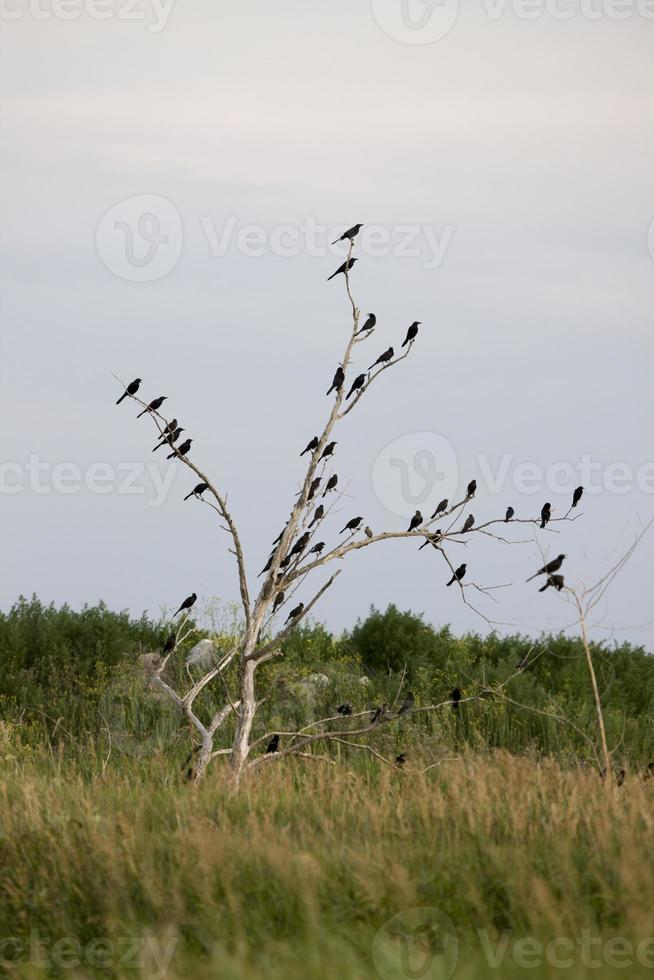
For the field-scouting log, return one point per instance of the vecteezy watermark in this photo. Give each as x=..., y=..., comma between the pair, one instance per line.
x=416, y=943
x=154, y=13
x=40, y=477
x=426, y=21
x=141, y=239
x=145, y=954
x=421, y=468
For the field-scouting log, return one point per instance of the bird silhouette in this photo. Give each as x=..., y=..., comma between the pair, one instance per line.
x=349, y=235
x=368, y=325
x=153, y=406
x=339, y=378
x=331, y=484
x=551, y=566
x=416, y=521
x=181, y=450
x=311, y=446
x=318, y=515
x=352, y=525
x=458, y=575
x=273, y=745
x=328, y=450
x=471, y=489
x=411, y=333
x=197, y=490
x=545, y=515
x=187, y=604
x=299, y=545
x=347, y=265
x=469, y=522
x=432, y=539
x=556, y=581
x=294, y=613
x=577, y=495
x=455, y=697
x=344, y=709
x=314, y=486
x=383, y=358
x=317, y=548
x=509, y=514
x=130, y=390
x=441, y=507
x=400, y=759
x=169, y=438
x=279, y=600
x=407, y=704
x=358, y=382
x=170, y=644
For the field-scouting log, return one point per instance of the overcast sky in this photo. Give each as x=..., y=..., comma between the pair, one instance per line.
x=171, y=175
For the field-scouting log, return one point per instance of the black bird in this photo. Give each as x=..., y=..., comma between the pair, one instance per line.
x=407, y=704
x=131, y=389
x=188, y=602
x=181, y=450
x=331, y=484
x=273, y=745
x=328, y=450
x=352, y=525
x=169, y=645
x=378, y=713
x=358, y=382
x=314, y=486
x=299, y=545
x=458, y=575
x=441, y=507
x=294, y=613
x=317, y=548
x=197, y=490
x=172, y=425
x=509, y=514
x=469, y=522
x=545, y=515
x=383, y=358
x=432, y=538
x=412, y=332
x=153, y=406
x=368, y=325
x=339, y=378
x=347, y=265
x=169, y=438
x=279, y=536
x=400, y=759
x=416, y=521
x=455, y=697
x=266, y=567
x=472, y=489
x=345, y=709
x=318, y=515
x=311, y=446
x=577, y=495
x=549, y=568
x=349, y=234
x=556, y=581
x=279, y=599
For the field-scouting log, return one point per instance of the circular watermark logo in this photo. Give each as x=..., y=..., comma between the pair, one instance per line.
x=140, y=239
x=415, y=21
x=419, y=944
x=414, y=471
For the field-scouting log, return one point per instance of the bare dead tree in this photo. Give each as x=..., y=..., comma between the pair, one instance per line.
x=289, y=567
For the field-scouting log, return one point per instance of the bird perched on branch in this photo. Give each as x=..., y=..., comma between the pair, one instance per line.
x=471, y=489
x=412, y=332
x=172, y=425
x=273, y=745
x=318, y=515
x=294, y=613
x=349, y=235
x=556, y=581
x=170, y=644
x=299, y=545
x=469, y=522
x=347, y=265
x=169, y=438
x=368, y=325
x=339, y=378
x=549, y=568
x=455, y=697
x=130, y=390
x=509, y=514
x=187, y=604
x=545, y=515
x=432, y=539
x=331, y=484
x=344, y=709
x=383, y=358
x=378, y=713
x=153, y=406
x=358, y=382
x=266, y=567
x=459, y=573
x=181, y=450
x=441, y=507
x=352, y=525
x=577, y=495
x=279, y=601
x=407, y=704
x=197, y=490
x=311, y=446
x=317, y=548
x=416, y=521
x=314, y=486
x=400, y=759
x=328, y=450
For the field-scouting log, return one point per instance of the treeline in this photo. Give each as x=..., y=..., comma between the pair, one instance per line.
x=67, y=675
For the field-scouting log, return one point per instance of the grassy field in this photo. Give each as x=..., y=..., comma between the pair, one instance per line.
x=313, y=870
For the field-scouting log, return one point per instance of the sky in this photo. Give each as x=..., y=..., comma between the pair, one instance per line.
x=174, y=173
